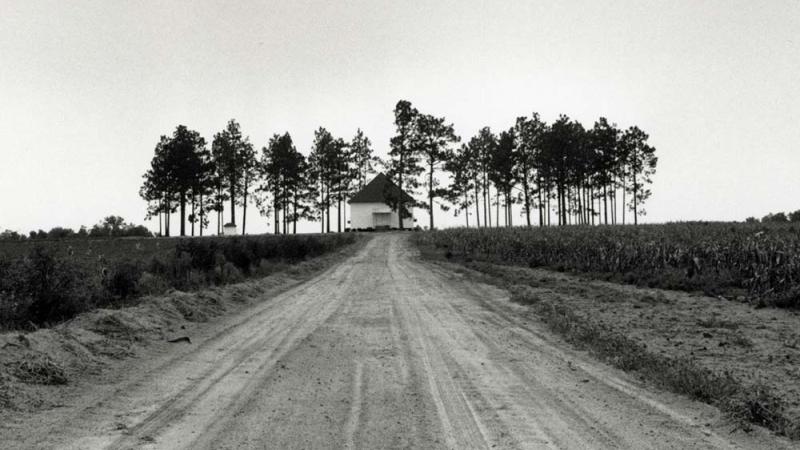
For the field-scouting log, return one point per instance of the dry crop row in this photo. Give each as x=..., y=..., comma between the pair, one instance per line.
x=757, y=263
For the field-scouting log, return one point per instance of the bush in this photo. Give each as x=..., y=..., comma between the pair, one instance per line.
x=230, y=274
x=123, y=281
x=54, y=287
x=179, y=267
x=776, y=218
x=150, y=284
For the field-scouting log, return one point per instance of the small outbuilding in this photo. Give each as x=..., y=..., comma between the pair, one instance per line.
x=229, y=229
x=371, y=207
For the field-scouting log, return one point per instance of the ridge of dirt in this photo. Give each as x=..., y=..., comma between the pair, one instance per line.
x=34, y=366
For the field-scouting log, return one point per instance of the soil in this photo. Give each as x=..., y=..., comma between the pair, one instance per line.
x=381, y=350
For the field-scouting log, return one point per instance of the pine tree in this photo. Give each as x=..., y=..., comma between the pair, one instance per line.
x=403, y=166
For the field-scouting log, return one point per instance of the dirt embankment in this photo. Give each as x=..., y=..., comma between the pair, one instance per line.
x=381, y=350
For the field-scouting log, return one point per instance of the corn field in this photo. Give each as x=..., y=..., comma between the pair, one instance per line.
x=753, y=262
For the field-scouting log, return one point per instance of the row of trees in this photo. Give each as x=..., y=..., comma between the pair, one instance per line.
x=188, y=178
x=578, y=175
x=585, y=176
x=779, y=217
x=563, y=168
x=110, y=226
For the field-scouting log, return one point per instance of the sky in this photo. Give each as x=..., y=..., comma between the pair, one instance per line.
x=87, y=88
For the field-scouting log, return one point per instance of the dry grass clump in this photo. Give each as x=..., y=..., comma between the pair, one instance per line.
x=714, y=322
x=39, y=369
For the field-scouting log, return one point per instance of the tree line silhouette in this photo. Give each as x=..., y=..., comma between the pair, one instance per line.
x=188, y=178
x=559, y=173
x=110, y=226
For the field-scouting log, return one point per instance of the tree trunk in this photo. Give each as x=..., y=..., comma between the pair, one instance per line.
x=328, y=209
x=430, y=194
x=294, y=214
x=286, y=215
x=466, y=207
x=244, y=206
x=487, y=214
x=276, y=211
x=547, y=200
x=202, y=216
x=541, y=202
x=166, y=217
x=477, y=207
x=508, y=207
x=558, y=201
x=635, y=205
x=497, y=207
x=344, y=213
x=400, y=195
x=526, y=188
x=220, y=209
x=233, y=206
x=624, y=205
x=194, y=218
x=183, y=214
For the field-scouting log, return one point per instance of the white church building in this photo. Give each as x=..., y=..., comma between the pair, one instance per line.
x=369, y=208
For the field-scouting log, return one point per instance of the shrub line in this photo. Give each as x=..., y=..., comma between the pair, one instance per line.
x=44, y=288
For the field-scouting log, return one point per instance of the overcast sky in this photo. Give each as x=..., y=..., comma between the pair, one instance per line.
x=86, y=88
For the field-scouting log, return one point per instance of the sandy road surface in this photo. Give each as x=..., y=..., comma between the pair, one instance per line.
x=380, y=351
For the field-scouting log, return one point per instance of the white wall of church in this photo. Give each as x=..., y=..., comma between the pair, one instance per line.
x=362, y=216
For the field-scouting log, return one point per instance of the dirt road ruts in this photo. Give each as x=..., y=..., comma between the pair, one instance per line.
x=381, y=351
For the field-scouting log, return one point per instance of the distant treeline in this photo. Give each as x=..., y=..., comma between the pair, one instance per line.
x=777, y=218
x=560, y=169
x=111, y=226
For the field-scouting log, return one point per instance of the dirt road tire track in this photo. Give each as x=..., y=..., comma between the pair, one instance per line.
x=384, y=351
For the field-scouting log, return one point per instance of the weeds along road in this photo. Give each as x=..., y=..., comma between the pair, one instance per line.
x=382, y=351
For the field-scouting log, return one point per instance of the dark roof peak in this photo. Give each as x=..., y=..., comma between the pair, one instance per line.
x=377, y=191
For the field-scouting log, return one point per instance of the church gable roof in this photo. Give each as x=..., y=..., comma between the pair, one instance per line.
x=375, y=191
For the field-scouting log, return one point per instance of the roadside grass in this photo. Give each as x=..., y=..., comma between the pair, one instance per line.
x=39, y=369
x=746, y=403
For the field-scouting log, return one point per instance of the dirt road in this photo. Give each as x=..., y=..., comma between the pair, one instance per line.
x=380, y=351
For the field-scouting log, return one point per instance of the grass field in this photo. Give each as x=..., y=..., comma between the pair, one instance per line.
x=92, y=249
x=44, y=282
x=753, y=262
